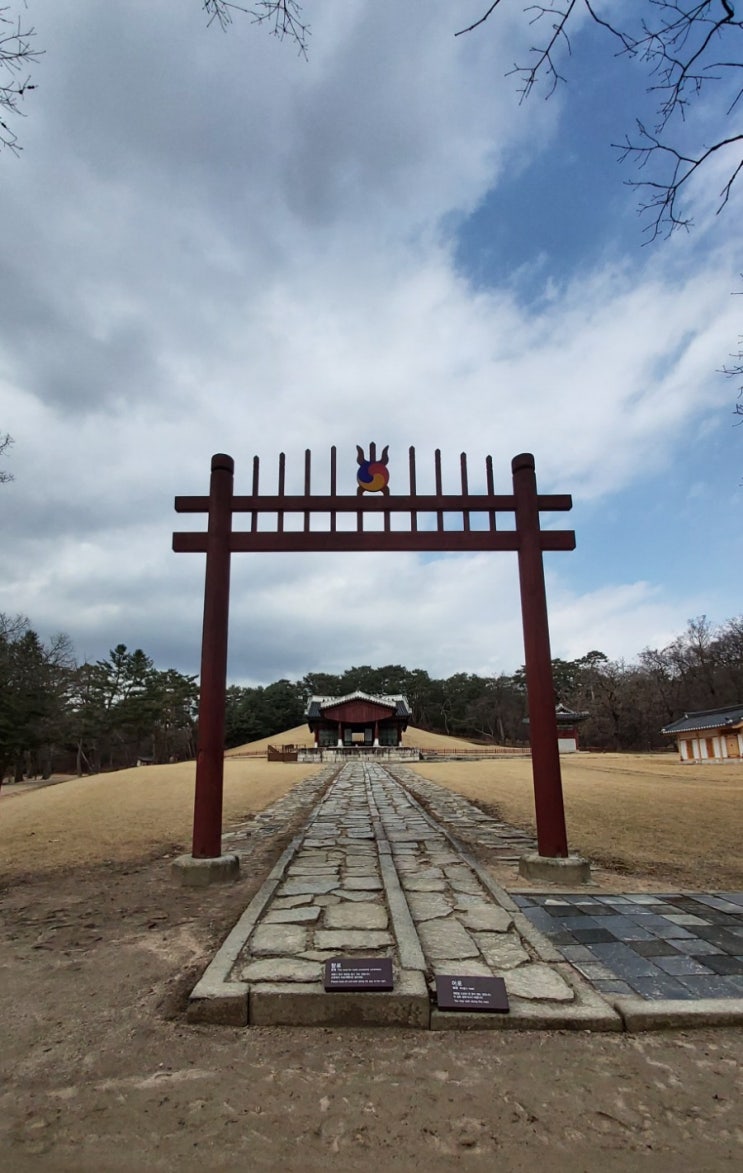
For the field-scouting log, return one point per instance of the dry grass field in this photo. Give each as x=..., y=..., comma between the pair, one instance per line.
x=643, y=814
x=127, y=814
x=640, y=815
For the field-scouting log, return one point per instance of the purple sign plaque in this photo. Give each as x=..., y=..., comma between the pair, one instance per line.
x=472, y=993
x=358, y=973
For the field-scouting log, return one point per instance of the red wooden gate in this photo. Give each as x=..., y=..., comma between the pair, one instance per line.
x=528, y=539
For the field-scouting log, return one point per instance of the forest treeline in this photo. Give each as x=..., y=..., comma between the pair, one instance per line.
x=58, y=715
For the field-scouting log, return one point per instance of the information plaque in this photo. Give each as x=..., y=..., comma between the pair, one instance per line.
x=472, y=993
x=358, y=973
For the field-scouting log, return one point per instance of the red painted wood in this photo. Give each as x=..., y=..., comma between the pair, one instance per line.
x=256, y=476
x=358, y=712
x=207, y=820
x=411, y=468
x=326, y=542
x=398, y=503
x=545, y=756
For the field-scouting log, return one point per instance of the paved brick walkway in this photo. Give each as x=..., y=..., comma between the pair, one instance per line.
x=659, y=946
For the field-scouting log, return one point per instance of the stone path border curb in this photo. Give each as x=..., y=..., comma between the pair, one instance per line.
x=672, y=1014
x=214, y=999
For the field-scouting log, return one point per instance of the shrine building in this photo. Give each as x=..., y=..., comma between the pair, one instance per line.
x=358, y=722
x=567, y=721
x=709, y=735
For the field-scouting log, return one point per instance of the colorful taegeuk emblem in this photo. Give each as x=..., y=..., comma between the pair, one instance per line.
x=373, y=475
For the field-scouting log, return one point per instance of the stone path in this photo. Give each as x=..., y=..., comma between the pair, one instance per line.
x=503, y=843
x=374, y=876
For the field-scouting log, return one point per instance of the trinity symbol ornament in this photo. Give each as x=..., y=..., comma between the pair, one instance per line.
x=372, y=476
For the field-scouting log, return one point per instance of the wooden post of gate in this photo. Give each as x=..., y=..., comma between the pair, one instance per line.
x=207, y=822
x=550, y=813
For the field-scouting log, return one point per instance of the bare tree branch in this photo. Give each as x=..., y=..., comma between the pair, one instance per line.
x=284, y=18
x=685, y=44
x=5, y=442
x=664, y=195
x=16, y=54
x=476, y=24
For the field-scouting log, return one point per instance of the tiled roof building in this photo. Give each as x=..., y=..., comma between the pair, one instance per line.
x=709, y=734
x=358, y=719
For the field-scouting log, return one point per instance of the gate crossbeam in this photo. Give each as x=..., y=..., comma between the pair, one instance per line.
x=528, y=539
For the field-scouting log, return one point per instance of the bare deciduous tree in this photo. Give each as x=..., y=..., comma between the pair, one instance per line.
x=690, y=48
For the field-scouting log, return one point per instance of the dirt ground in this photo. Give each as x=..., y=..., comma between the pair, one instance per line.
x=99, y=1070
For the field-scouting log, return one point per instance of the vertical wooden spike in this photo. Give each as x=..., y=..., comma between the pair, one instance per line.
x=437, y=468
x=282, y=490
x=466, y=512
x=333, y=484
x=490, y=488
x=413, y=489
x=256, y=474
x=307, y=480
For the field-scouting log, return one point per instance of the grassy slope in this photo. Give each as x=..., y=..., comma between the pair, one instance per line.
x=636, y=812
x=126, y=814
x=301, y=735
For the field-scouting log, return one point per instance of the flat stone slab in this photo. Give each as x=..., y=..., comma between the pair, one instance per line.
x=502, y=951
x=352, y=896
x=411, y=883
x=446, y=939
x=275, y=940
x=290, y=902
x=487, y=918
x=284, y=916
x=538, y=982
x=356, y=916
x=467, y=967
x=311, y=885
x=282, y=969
x=469, y=885
x=308, y=869
x=340, y=939
x=356, y=883
x=428, y=905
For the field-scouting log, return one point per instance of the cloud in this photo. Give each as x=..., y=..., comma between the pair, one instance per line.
x=215, y=246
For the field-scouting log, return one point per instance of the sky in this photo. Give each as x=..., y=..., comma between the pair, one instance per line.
x=211, y=244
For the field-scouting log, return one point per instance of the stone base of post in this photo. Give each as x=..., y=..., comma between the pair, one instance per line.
x=572, y=870
x=199, y=873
